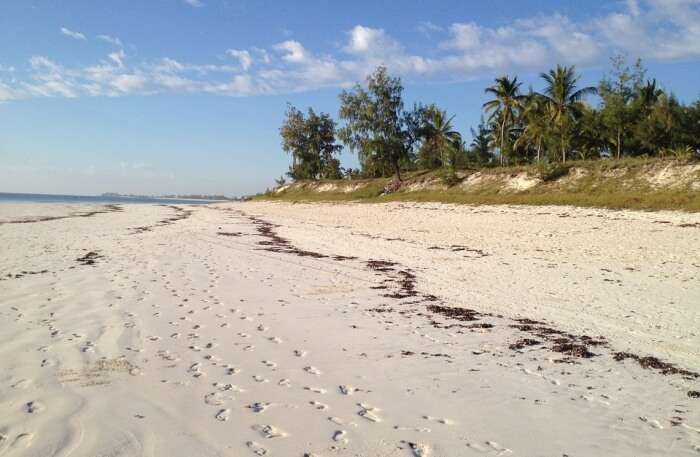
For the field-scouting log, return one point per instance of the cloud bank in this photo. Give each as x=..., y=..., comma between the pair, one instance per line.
x=652, y=29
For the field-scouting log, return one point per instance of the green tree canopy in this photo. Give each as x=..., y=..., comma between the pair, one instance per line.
x=310, y=140
x=564, y=103
x=440, y=139
x=376, y=125
x=504, y=110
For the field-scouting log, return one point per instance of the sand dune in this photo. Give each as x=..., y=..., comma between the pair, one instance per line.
x=351, y=330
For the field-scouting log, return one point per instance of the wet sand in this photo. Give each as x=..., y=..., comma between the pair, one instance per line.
x=348, y=329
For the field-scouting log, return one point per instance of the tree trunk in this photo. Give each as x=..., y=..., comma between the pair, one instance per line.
x=539, y=146
x=619, y=145
x=563, y=152
x=503, y=130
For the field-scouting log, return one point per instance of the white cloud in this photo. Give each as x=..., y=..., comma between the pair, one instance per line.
x=6, y=92
x=427, y=28
x=72, y=34
x=117, y=57
x=292, y=50
x=239, y=85
x=633, y=7
x=127, y=83
x=651, y=29
x=110, y=39
x=366, y=40
x=464, y=36
x=194, y=3
x=243, y=56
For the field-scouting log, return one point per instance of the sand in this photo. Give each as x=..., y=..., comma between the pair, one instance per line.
x=348, y=329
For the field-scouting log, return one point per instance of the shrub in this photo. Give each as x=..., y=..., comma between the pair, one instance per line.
x=551, y=171
x=450, y=178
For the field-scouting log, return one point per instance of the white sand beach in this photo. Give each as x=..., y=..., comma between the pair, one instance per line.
x=405, y=329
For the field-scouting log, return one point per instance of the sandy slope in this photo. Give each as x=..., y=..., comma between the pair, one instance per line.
x=200, y=331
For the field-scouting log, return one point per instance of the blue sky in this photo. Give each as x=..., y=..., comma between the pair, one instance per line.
x=186, y=96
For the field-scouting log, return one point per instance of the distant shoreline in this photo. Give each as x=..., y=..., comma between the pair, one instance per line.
x=11, y=197
x=213, y=198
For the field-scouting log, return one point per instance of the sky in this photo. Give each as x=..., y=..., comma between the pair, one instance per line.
x=187, y=96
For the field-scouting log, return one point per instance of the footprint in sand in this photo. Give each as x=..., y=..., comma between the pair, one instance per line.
x=318, y=405
x=262, y=328
x=225, y=387
x=212, y=358
x=23, y=440
x=284, y=382
x=369, y=412
x=275, y=340
x=259, y=407
x=412, y=429
x=260, y=379
x=339, y=436
x=256, y=448
x=419, y=449
x=316, y=390
x=339, y=421
x=214, y=399
x=22, y=384
x=269, y=364
x=223, y=415
x=440, y=420
x=347, y=389
x=652, y=422
x=269, y=431
x=34, y=407
x=195, y=370
x=312, y=370
x=300, y=353
x=490, y=446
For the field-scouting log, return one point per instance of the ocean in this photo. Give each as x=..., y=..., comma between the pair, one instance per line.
x=48, y=198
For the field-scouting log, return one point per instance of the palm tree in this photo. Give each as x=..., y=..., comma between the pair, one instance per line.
x=649, y=94
x=534, y=120
x=504, y=108
x=440, y=134
x=564, y=101
x=481, y=143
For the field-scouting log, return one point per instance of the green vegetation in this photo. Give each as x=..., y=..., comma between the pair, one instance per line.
x=628, y=183
x=310, y=140
x=545, y=132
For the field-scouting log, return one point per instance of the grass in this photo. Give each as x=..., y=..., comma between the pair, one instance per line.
x=604, y=184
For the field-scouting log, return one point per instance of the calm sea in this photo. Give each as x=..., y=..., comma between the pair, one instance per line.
x=46, y=198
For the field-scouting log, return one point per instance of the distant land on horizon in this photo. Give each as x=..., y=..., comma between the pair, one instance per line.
x=187, y=196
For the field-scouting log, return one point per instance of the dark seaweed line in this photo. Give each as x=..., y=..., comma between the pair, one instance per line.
x=570, y=345
x=22, y=274
x=111, y=208
x=180, y=214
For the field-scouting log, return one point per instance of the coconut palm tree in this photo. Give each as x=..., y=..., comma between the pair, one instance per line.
x=563, y=101
x=535, y=124
x=504, y=108
x=649, y=94
x=440, y=135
